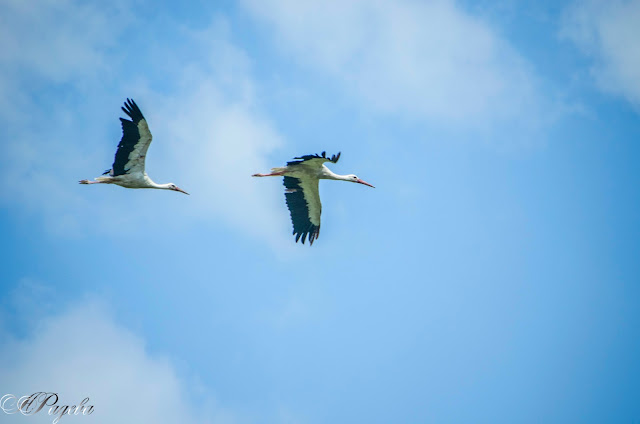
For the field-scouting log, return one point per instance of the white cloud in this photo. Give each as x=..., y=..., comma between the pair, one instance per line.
x=52, y=42
x=608, y=31
x=427, y=60
x=81, y=353
x=58, y=39
x=216, y=138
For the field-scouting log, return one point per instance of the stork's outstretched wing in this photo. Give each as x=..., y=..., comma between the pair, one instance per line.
x=303, y=201
x=135, y=141
x=314, y=160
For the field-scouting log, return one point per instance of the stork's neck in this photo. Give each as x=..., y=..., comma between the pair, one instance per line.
x=162, y=186
x=327, y=174
x=153, y=184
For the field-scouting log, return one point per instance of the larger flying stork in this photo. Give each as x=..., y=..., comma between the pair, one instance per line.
x=301, y=177
x=128, y=166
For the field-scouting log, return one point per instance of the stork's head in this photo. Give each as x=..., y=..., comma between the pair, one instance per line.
x=174, y=187
x=355, y=179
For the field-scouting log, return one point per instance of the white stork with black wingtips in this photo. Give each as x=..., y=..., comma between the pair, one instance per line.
x=301, y=177
x=128, y=166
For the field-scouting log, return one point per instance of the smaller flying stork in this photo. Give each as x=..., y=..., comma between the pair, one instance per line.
x=128, y=166
x=301, y=177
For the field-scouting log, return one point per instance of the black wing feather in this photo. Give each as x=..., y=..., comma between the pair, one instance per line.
x=301, y=159
x=130, y=137
x=299, y=210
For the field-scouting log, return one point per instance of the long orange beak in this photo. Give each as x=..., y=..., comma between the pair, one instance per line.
x=364, y=182
x=180, y=190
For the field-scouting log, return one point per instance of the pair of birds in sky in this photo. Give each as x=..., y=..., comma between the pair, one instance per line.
x=301, y=175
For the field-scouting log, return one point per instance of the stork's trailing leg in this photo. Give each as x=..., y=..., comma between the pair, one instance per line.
x=273, y=174
x=94, y=182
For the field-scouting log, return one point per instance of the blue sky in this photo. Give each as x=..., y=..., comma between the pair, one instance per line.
x=491, y=276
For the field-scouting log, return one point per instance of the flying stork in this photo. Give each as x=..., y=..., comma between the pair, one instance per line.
x=301, y=177
x=128, y=166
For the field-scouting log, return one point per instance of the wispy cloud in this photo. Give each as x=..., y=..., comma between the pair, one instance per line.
x=47, y=42
x=608, y=32
x=84, y=353
x=426, y=60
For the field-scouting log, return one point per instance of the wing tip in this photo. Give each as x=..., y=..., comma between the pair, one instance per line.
x=132, y=110
x=309, y=235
